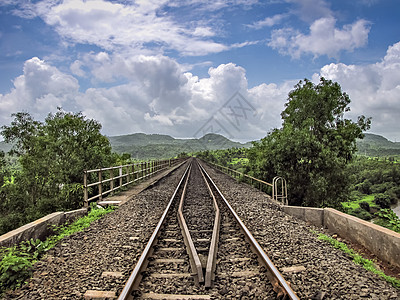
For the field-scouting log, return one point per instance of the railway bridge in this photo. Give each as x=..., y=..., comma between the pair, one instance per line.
x=196, y=233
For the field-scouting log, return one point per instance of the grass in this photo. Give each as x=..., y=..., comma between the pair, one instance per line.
x=358, y=259
x=17, y=261
x=244, y=161
x=353, y=205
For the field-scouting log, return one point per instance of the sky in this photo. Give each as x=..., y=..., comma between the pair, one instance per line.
x=190, y=67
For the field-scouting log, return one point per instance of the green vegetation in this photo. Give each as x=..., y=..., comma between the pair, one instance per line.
x=315, y=152
x=362, y=208
x=157, y=146
x=234, y=158
x=358, y=259
x=387, y=218
x=313, y=147
x=378, y=146
x=49, y=159
x=43, y=170
x=16, y=262
x=375, y=186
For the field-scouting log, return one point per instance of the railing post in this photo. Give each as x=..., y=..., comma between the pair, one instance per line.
x=112, y=180
x=120, y=176
x=85, y=190
x=127, y=174
x=100, y=185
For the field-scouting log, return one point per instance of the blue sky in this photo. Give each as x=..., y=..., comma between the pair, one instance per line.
x=175, y=67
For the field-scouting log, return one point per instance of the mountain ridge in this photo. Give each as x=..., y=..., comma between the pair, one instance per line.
x=156, y=146
x=377, y=145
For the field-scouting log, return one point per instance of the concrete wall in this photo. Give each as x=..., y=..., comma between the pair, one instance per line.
x=39, y=229
x=312, y=215
x=381, y=241
x=72, y=215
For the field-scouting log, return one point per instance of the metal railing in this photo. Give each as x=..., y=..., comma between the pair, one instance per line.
x=282, y=196
x=272, y=188
x=100, y=182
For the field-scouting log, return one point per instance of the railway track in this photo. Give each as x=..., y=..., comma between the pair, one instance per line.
x=98, y=260
x=200, y=249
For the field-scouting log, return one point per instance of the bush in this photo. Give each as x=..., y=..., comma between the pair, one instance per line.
x=364, y=187
x=365, y=206
x=394, y=194
x=383, y=200
x=382, y=187
x=355, y=195
x=387, y=218
x=396, y=191
x=360, y=213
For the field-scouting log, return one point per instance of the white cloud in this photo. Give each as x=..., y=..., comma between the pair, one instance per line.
x=76, y=68
x=324, y=38
x=212, y=5
x=40, y=90
x=112, y=25
x=141, y=25
x=268, y=21
x=160, y=95
x=374, y=90
x=311, y=10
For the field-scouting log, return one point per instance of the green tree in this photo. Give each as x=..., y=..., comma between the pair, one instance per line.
x=52, y=157
x=313, y=146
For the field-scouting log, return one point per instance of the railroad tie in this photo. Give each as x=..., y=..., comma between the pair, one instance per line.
x=92, y=294
x=173, y=297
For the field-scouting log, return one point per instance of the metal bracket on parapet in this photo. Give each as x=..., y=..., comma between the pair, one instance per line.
x=282, y=196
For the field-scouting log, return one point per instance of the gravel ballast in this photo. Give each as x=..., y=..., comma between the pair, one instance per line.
x=323, y=272
x=112, y=244
x=115, y=242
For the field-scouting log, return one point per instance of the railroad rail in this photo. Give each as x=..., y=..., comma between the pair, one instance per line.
x=281, y=287
x=201, y=279
x=136, y=275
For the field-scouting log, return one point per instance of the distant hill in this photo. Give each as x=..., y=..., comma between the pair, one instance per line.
x=140, y=139
x=377, y=145
x=154, y=146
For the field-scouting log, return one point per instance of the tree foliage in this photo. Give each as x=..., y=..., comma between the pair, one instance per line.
x=52, y=156
x=313, y=146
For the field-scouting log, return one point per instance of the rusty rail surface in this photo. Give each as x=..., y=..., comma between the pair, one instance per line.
x=280, y=285
x=108, y=182
x=135, y=276
x=193, y=255
x=212, y=254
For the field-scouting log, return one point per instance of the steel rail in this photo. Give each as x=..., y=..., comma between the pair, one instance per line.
x=212, y=254
x=280, y=285
x=135, y=276
x=191, y=249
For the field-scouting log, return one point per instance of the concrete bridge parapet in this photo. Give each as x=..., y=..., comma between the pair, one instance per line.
x=381, y=241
